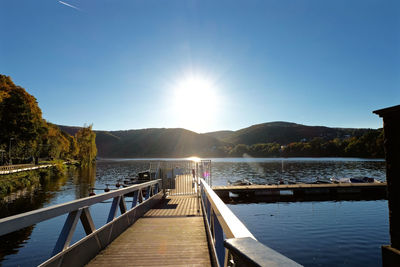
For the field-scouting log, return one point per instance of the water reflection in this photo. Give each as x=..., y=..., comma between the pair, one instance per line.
x=31, y=199
x=84, y=179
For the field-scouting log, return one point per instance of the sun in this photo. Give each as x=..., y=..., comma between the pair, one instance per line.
x=195, y=102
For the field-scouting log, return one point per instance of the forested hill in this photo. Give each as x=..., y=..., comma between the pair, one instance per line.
x=273, y=139
x=156, y=142
x=284, y=133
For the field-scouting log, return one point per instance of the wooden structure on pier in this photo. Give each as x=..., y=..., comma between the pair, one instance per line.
x=391, y=127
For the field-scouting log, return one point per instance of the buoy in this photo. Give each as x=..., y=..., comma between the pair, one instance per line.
x=107, y=189
x=91, y=192
x=118, y=184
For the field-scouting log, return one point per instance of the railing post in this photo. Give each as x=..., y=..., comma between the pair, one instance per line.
x=113, y=210
x=208, y=209
x=135, y=198
x=140, y=196
x=87, y=221
x=155, y=190
x=148, y=192
x=219, y=241
x=67, y=232
x=122, y=205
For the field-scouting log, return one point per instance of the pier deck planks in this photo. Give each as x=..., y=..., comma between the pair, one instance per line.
x=171, y=234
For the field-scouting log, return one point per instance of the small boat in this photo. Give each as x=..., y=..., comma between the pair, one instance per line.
x=354, y=180
x=240, y=182
x=131, y=181
x=141, y=177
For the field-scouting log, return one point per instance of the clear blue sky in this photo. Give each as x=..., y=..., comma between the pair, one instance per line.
x=118, y=64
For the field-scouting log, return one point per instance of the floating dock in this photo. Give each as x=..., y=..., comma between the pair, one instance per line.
x=302, y=192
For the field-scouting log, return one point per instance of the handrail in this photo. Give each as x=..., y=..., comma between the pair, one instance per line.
x=231, y=225
x=249, y=252
x=223, y=225
x=19, y=221
x=78, y=210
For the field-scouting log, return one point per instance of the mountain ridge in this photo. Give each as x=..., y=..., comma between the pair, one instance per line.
x=180, y=142
x=285, y=133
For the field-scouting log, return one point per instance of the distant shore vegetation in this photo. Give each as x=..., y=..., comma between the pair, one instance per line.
x=26, y=137
x=369, y=145
x=267, y=140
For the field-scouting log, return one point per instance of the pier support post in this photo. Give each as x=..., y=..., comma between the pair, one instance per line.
x=391, y=127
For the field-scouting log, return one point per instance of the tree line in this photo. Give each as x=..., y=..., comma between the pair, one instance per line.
x=368, y=145
x=25, y=136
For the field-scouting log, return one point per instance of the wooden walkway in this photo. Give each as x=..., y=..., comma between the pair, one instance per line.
x=7, y=169
x=171, y=234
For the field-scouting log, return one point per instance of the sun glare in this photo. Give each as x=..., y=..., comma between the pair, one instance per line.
x=195, y=159
x=195, y=102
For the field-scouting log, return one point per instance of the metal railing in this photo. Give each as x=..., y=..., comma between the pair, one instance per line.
x=204, y=171
x=222, y=225
x=144, y=196
x=179, y=176
x=178, y=166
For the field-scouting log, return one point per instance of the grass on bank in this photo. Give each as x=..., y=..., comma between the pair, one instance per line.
x=12, y=182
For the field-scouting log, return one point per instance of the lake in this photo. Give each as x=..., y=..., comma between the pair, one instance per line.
x=342, y=233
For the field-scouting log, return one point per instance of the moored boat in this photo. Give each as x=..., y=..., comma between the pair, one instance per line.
x=354, y=180
x=240, y=182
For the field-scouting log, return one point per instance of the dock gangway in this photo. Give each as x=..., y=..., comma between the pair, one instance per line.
x=160, y=227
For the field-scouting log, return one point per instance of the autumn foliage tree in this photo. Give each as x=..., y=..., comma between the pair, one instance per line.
x=22, y=127
x=55, y=144
x=86, y=141
x=20, y=119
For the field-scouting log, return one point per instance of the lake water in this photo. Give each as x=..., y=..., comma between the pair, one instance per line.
x=344, y=233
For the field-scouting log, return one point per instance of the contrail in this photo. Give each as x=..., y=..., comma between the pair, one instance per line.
x=66, y=4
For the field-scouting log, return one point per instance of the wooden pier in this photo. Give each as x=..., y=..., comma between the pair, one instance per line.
x=171, y=234
x=302, y=192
